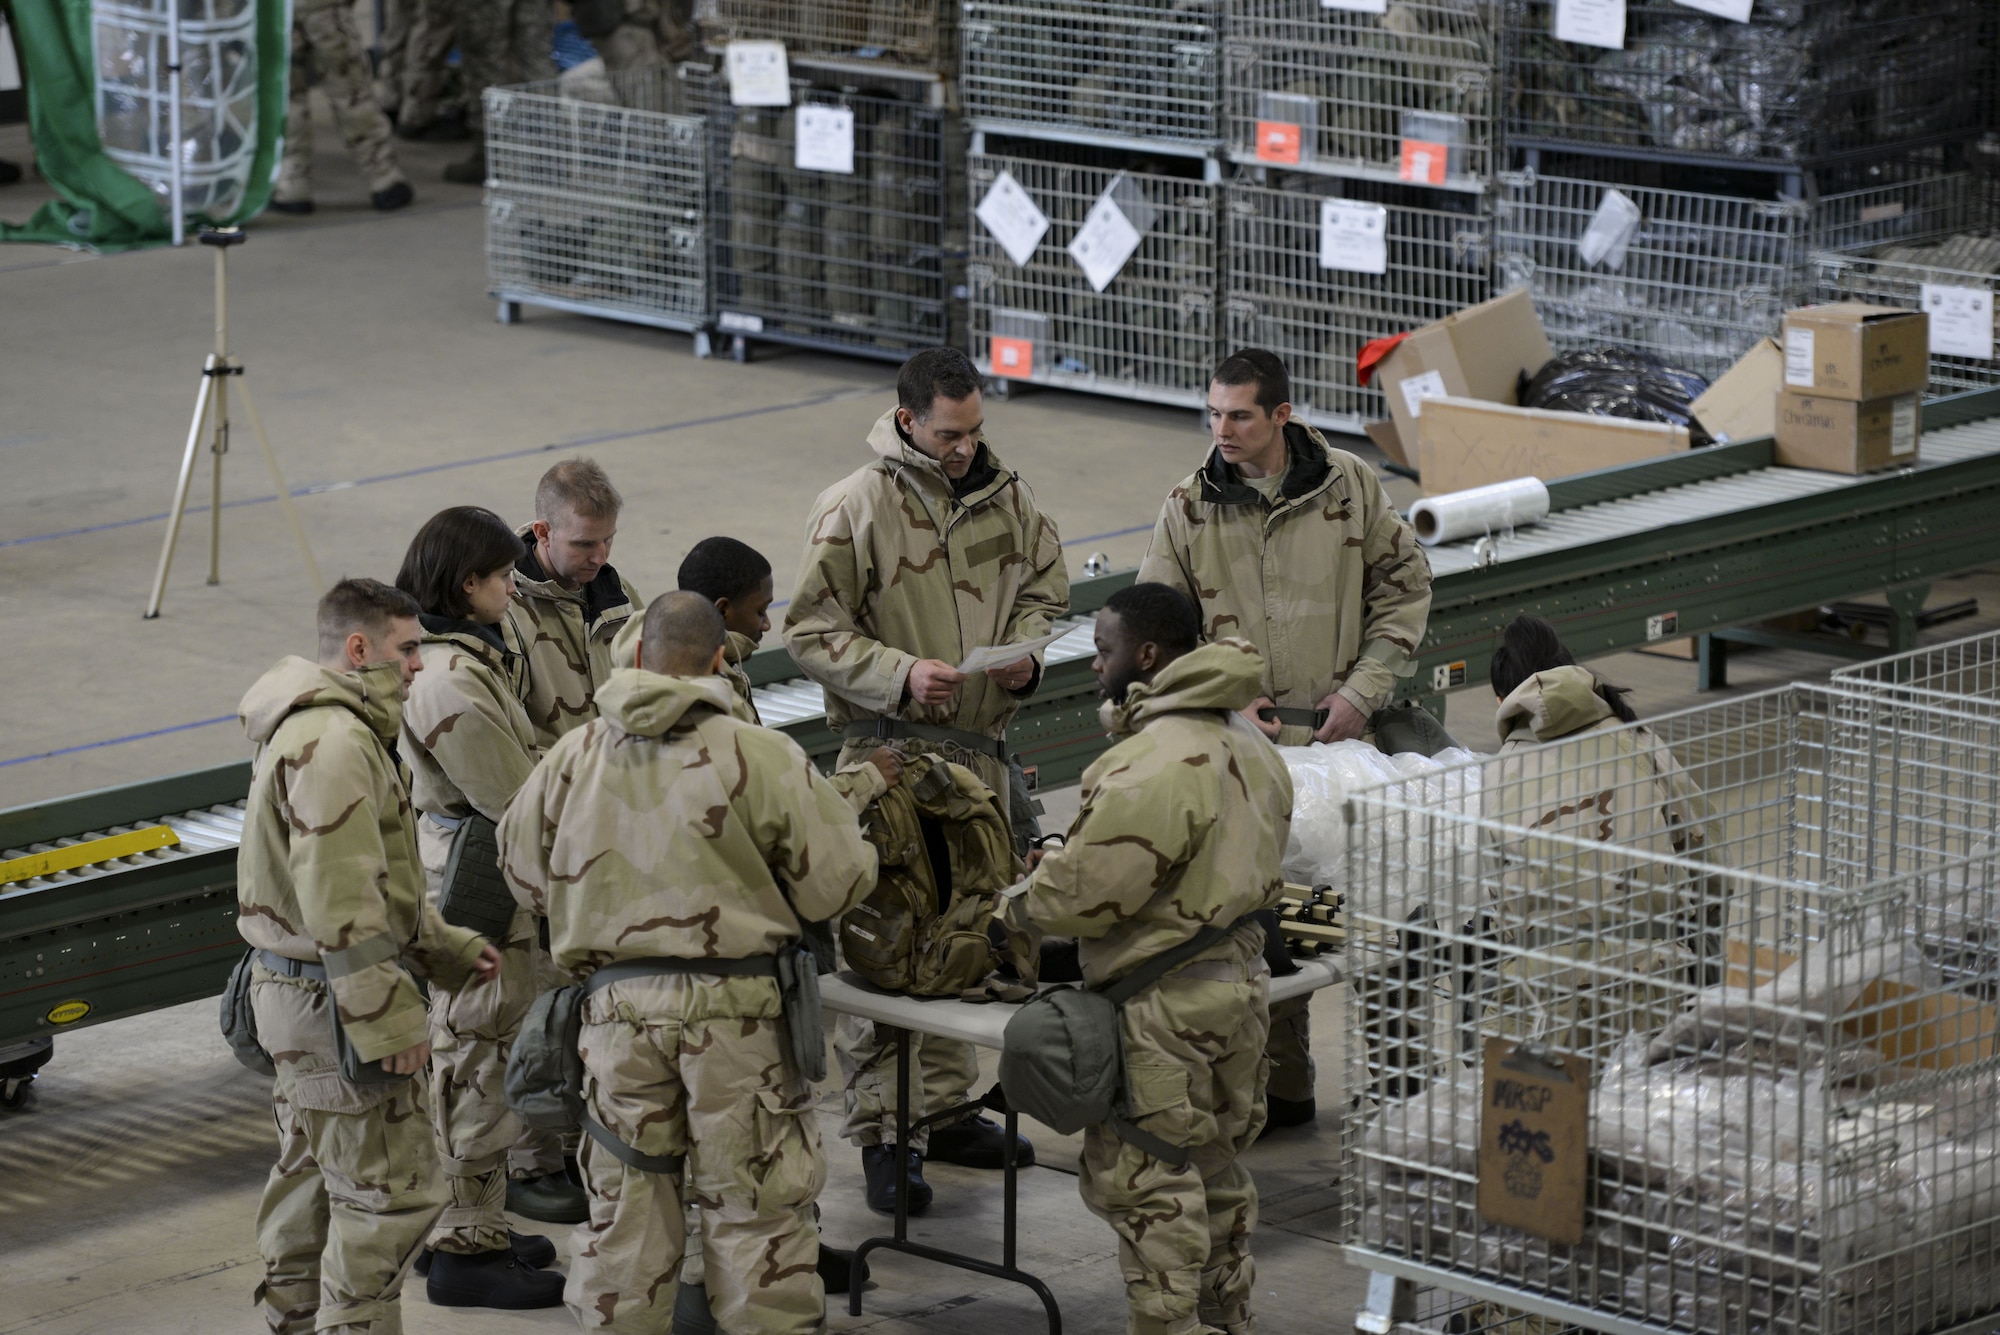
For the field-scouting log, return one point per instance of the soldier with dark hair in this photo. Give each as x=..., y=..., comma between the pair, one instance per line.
x=737, y=579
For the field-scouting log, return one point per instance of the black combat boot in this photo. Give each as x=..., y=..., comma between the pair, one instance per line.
x=491, y=1279
x=974, y=1142
x=551, y=1198
x=878, y=1163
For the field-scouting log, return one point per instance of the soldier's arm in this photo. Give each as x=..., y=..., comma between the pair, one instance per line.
x=527, y=832
x=1165, y=561
x=460, y=717
x=807, y=831
x=340, y=870
x=1396, y=598
x=822, y=627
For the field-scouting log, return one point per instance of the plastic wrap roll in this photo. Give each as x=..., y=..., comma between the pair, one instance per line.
x=1465, y=514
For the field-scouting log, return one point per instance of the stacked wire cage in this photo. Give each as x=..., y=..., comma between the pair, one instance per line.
x=1967, y=667
x=849, y=261
x=915, y=34
x=596, y=197
x=1761, y=932
x=1151, y=332
x=1930, y=276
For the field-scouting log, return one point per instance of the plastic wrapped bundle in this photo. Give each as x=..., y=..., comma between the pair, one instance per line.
x=1615, y=382
x=1324, y=773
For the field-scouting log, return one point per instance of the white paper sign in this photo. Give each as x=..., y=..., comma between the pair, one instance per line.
x=1006, y=655
x=1610, y=231
x=1738, y=10
x=758, y=75
x=1104, y=242
x=1591, y=22
x=1012, y=216
x=1799, y=357
x=1903, y=425
x=1417, y=388
x=1353, y=236
x=1357, y=6
x=1961, y=320
x=825, y=141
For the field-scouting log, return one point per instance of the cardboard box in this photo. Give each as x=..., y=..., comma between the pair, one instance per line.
x=1743, y=402
x=1477, y=353
x=1849, y=350
x=1470, y=442
x=1933, y=1031
x=1835, y=436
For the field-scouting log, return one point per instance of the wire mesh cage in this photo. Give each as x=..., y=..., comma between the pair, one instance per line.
x=1765, y=928
x=919, y=34
x=849, y=261
x=1404, y=94
x=1150, y=333
x=1703, y=276
x=1899, y=276
x=130, y=43
x=1132, y=69
x=1801, y=81
x=595, y=203
x=1962, y=667
x=1282, y=293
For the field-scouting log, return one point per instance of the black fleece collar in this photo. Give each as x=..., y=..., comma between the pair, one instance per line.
x=489, y=635
x=1306, y=468
x=605, y=589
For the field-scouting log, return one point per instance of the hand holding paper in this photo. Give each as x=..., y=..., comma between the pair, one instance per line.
x=1004, y=655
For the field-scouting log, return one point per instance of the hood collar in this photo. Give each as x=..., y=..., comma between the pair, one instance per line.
x=1553, y=704
x=646, y=704
x=736, y=649
x=605, y=589
x=374, y=694
x=451, y=628
x=886, y=438
x=1222, y=677
x=1307, y=464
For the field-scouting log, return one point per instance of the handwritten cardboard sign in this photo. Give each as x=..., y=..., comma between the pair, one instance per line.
x=1534, y=1140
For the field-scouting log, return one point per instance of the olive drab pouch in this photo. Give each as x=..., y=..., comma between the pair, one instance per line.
x=798, y=994
x=473, y=893
x=1408, y=727
x=544, y=1082
x=239, y=1022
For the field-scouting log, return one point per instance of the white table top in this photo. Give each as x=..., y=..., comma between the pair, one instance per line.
x=985, y=1022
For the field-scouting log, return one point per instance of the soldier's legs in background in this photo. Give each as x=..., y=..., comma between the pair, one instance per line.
x=294, y=184
x=343, y=69
x=531, y=39
x=481, y=29
x=395, y=45
x=291, y=1228
x=425, y=64
x=942, y=1072
x=1292, y=1071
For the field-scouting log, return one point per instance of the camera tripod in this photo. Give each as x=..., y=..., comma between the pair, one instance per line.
x=211, y=410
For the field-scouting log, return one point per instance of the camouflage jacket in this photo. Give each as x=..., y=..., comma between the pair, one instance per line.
x=466, y=739
x=901, y=566
x=1328, y=582
x=667, y=827
x=328, y=868
x=567, y=635
x=1183, y=823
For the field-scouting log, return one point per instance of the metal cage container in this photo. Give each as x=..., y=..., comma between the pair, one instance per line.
x=1765, y=926
x=1964, y=667
x=1409, y=94
x=599, y=207
x=1150, y=334
x=1704, y=276
x=1897, y=275
x=1279, y=293
x=1096, y=71
x=1803, y=81
x=919, y=34
x=849, y=262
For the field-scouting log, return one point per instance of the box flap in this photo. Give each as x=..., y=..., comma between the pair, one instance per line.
x=1742, y=404
x=1388, y=440
x=1472, y=442
x=1478, y=353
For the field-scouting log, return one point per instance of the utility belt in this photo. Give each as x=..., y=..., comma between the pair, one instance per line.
x=1398, y=728
x=891, y=729
x=352, y=1068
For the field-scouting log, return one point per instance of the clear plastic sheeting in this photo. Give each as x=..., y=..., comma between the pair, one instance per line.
x=1323, y=775
x=218, y=97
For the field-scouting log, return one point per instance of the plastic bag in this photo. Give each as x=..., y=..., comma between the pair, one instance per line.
x=1616, y=382
x=1323, y=775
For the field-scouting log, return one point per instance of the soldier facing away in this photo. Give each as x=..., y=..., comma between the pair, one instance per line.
x=673, y=838
x=1183, y=826
x=325, y=40
x=932, y=549
x=331, y=895
x=1286, y=542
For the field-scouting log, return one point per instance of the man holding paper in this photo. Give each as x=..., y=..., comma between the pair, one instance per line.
x=932, y=551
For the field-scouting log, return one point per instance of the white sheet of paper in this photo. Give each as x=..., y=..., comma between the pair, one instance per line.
x=1610, y=231
x=1903, y=425
x=1005, y=655
x=1738, y=10
x=1104, y=242
x=758, y=74
x=1357, y=6
x=1353, y=236
x=1012, y=216
x=825, y=140
x=1799, y=357
x=1417, y=388
x=1591, y=22
x=1961, y=320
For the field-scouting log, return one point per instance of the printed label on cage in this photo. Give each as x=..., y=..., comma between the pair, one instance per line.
x=1424, y=162
x=1104, y=242
x=1591, y=22
x=1278, y=141
x=1445, y=676
x=1610, y=231
x=1353, y=236
x=758, y=74
x=735, y=322
x=1013, y=358
x=1903, y=425
x=1895, y=208
x=825, y=141
x=1534, y=1140
x=1738, y=10
x=1357, y=6
x=1799, y=357
x=1961, y=320
x=1012, y=216
x=1429, y=385
x=1659, y=627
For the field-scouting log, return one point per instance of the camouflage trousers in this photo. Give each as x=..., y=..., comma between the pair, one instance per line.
x=324, y=39
x=654, y=32
x=942, y=1072
x=1194, y=1076
x=500, y=42
x=1293, y=1074
x=416, y=49
x=694, y=1066
x=356, y=1186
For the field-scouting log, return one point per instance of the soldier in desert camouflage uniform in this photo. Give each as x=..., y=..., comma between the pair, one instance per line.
x=1292, y=545
x=500, y=43
x=668, y=830
x=324, y=39
x=330, y=892
x=1182, y=826
x=933, y=549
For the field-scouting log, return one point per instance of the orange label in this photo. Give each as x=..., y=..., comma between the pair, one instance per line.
x=1424, y=161
x=1013, y=358
x=1277, y=141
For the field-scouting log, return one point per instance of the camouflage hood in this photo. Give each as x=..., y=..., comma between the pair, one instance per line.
x=1554, y=704
x=374, y=694
x=985, y=476
x=1224, y=676
x=646, y=704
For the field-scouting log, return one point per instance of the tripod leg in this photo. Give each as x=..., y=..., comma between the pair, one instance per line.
x=284, y=493
x=221, y=444
x=181, y=490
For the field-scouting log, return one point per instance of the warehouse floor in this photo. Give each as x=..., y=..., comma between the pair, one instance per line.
x=390, y=391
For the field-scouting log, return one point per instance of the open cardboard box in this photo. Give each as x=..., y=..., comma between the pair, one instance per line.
x=1931, y=1031
x=1477, y=353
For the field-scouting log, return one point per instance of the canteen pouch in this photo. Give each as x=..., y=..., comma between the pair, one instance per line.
x=473, y=891
x=797, y=973
x=544, y=1082
x=239, y=1022
x=1408, y=727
